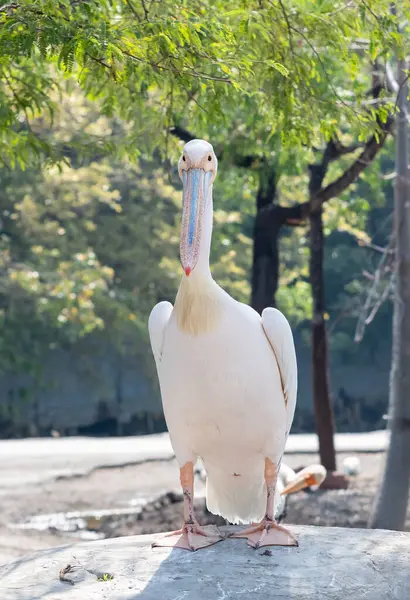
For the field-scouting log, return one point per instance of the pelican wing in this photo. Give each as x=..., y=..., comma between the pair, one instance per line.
x=279, y=334
x=157, y=323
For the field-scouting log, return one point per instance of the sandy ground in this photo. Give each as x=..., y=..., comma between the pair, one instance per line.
x=145, y=498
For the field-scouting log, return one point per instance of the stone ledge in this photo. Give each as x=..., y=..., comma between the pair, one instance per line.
x=330, y=564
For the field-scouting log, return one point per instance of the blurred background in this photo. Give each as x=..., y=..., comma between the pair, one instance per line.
x=302, y=101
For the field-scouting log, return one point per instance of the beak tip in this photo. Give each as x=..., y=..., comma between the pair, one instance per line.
x=188, y=271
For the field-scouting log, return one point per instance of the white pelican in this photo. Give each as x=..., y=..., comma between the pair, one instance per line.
x=228, y=381
x=290, y=482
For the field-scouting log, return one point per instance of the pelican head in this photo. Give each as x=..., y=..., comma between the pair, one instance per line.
x=310, y=477
x=197, y=169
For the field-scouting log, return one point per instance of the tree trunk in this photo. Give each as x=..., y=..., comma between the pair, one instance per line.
x=320, y=368
x=265, y=267
x=391, y=505
x=265, y=270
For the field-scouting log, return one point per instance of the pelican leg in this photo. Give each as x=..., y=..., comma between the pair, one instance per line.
x=268, y=532
x=192, y=536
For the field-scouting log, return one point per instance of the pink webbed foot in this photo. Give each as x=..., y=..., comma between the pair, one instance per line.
x=267, y=533
x=191, y=537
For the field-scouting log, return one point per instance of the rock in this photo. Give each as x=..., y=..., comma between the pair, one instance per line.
x=329, y=564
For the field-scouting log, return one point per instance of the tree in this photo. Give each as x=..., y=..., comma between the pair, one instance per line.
x=391, y=505
x=270, y=218
x=268, y=225
x=86, y=244
x=151, y=62
x=246, y=70
x=321, y=391
x=51, y=278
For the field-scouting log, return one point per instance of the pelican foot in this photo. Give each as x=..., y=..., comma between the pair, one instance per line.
x=191, y=537
x=267, y=533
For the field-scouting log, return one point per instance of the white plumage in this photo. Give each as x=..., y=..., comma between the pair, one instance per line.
x=228, y=376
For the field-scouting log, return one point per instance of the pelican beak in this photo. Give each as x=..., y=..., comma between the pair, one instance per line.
x=196, y=184
x=310, y=477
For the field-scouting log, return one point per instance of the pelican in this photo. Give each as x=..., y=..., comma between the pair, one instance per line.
x=290, y=482
x=228, y=379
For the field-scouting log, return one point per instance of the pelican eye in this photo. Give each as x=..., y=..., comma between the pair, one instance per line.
x=209, y=158
x=183, y=158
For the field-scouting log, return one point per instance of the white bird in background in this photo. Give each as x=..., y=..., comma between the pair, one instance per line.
x=290, y=482
x=228, y=381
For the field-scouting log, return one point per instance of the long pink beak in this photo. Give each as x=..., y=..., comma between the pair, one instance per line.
x=195, y=194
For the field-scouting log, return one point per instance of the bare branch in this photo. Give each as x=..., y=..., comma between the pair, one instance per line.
x=375, y=247
x=381, y=300
x=365, y=317
x=389, y=176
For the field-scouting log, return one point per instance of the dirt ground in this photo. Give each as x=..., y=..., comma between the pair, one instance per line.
x=145, y=498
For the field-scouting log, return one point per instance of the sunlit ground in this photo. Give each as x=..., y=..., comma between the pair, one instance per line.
x=139, y=499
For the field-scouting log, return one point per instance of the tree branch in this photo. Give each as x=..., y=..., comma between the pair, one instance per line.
x=372, y=147
x=297, y=214
x=145, y=9
x=275, y=214
x=132, y=8
x=342, y=150
x=182, y=133
x=365, y=317
x=189, y=71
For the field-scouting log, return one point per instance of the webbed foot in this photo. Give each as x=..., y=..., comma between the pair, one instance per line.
x=267, y=533
x=191, y=537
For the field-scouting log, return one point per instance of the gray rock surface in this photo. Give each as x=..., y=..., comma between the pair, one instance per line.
x=330, y=564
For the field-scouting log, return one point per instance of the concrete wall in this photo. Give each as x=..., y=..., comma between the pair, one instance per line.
x=89, y=389
x=92, y=390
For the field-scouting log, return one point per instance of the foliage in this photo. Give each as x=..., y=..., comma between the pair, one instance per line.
x=283, y=64
x=93, y=244
x=52, y=279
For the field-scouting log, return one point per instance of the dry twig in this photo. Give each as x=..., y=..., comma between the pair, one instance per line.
x=63, y=572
